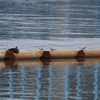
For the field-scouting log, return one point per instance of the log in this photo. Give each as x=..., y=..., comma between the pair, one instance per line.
x=50, y=54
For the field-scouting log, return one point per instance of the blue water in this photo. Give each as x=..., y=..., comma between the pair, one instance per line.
x=55, y=80
x=62, y=25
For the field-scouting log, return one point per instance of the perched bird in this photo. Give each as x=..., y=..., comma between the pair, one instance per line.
x=41, y=49
x=52, y=49
x=15, y=50
x=83, y=48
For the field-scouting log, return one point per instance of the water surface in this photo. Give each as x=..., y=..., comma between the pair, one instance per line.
x=50, y=80
x=62, y=25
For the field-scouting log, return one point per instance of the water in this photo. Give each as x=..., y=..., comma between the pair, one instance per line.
x=62, y=25
x=53, y=80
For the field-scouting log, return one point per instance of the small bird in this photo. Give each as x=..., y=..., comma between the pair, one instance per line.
x=83, y=48
x=52, y=49
x=41, y=49
x=15, y=50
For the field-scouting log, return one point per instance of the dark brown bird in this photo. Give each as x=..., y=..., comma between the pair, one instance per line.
x=15, y=50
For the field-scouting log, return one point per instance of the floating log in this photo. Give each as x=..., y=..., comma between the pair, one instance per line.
x=50, y=54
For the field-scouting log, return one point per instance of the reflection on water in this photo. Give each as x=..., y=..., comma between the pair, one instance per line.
x=58, y=80
x=60, y=24
x=96, y=82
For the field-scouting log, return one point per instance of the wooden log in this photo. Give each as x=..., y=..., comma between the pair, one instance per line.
x=50, y=54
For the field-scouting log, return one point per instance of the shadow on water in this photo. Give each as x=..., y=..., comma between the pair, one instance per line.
x=46, y=79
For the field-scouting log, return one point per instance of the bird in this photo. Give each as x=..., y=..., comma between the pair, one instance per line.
x=41, y=49
x=52, y=49
x=83, y=48
x=15, y=50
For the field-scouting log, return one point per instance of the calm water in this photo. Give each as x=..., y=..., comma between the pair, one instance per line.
x=60, y=24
